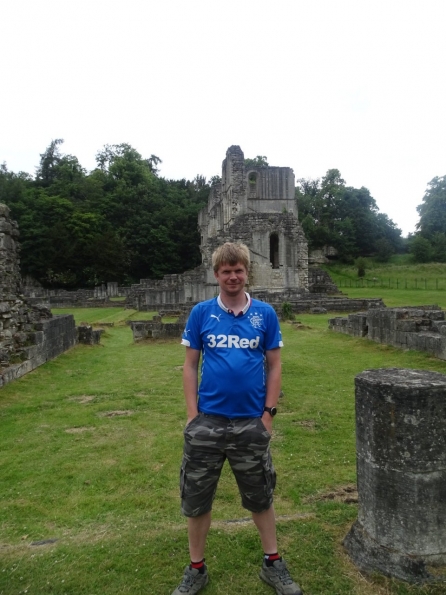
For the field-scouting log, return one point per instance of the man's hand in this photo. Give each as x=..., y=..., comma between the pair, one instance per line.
x=267, y=421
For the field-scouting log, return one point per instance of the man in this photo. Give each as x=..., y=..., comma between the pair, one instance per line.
x=239, y=339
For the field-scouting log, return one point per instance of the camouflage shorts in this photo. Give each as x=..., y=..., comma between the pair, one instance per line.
x=208, y=441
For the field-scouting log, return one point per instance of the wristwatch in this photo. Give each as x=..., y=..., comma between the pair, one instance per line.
x=271, y=410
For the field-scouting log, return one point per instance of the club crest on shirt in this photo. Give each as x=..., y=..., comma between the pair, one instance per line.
x=256, y=319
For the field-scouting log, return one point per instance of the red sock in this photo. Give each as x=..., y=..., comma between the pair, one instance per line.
x=271, y=558
x=198, y=565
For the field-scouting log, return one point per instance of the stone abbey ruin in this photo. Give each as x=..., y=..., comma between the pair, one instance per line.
x=257, y=206
x=254, y=205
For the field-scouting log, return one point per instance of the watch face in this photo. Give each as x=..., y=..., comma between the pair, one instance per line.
x=273, y=411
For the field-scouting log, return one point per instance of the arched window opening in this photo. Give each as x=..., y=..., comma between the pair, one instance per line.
x=274, y=250
x=252, y=183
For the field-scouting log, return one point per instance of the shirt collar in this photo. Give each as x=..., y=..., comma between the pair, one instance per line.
x=245, y=309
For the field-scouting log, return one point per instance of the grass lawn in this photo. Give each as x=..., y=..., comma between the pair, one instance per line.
x=398, y=282
x=90, y=450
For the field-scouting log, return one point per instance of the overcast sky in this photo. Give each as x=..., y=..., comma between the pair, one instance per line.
x=356, y=85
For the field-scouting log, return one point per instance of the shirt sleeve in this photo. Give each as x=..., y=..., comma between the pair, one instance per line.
x=273, y=332
x=191, y=334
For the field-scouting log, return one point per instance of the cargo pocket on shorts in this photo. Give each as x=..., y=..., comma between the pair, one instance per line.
x=270, y=477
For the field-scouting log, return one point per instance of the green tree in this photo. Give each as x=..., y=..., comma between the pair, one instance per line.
x=13, y=186
x=421, y=249
x=341, y=216
x=259, y=161
x=49, y=160
x=153, y=161
x=438, y=241
x=384, y=250
x=432, y=211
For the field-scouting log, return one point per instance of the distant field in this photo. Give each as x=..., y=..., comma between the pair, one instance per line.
x=398, y=283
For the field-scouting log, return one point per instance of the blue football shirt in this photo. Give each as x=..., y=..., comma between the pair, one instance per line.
x=233, y=375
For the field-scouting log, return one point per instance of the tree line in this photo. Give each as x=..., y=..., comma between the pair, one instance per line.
x=120, y=222
x=123, y=221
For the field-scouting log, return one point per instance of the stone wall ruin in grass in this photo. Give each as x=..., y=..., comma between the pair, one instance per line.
x=29, y=334
x=422, y=328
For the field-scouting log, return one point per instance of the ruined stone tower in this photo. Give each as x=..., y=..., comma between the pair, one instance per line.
x=257, y=205
x=253, y=205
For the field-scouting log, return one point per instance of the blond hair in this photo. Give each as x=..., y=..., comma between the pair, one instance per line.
x=231, y=254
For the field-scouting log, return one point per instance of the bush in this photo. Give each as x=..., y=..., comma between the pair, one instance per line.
x=287, y=311
x=361, y=264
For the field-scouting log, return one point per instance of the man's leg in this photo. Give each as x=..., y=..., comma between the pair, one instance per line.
x=251, y=473
x=266, y=525
x=198, y=528
x=274, y=570
x=200, y=471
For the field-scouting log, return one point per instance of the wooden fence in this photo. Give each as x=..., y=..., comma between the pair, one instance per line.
x=389, y=283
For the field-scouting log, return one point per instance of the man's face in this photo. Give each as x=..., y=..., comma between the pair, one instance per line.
x=232, y=278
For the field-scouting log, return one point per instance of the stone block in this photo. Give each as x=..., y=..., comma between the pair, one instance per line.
x=401, y=338
x=434, y=344
x=420, y=341
x=411, y=340
x=401, y=468
x=5, y=308
x=407, y=326
x=436, y=315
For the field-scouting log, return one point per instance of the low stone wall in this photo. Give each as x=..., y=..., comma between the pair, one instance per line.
x=67, y=302
x=318, y=303
x=355, y=325
x=87, y=335
x=422, y=328
x=33, y=290
x=155, y=329
x=51, y=338
x=306, y=303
